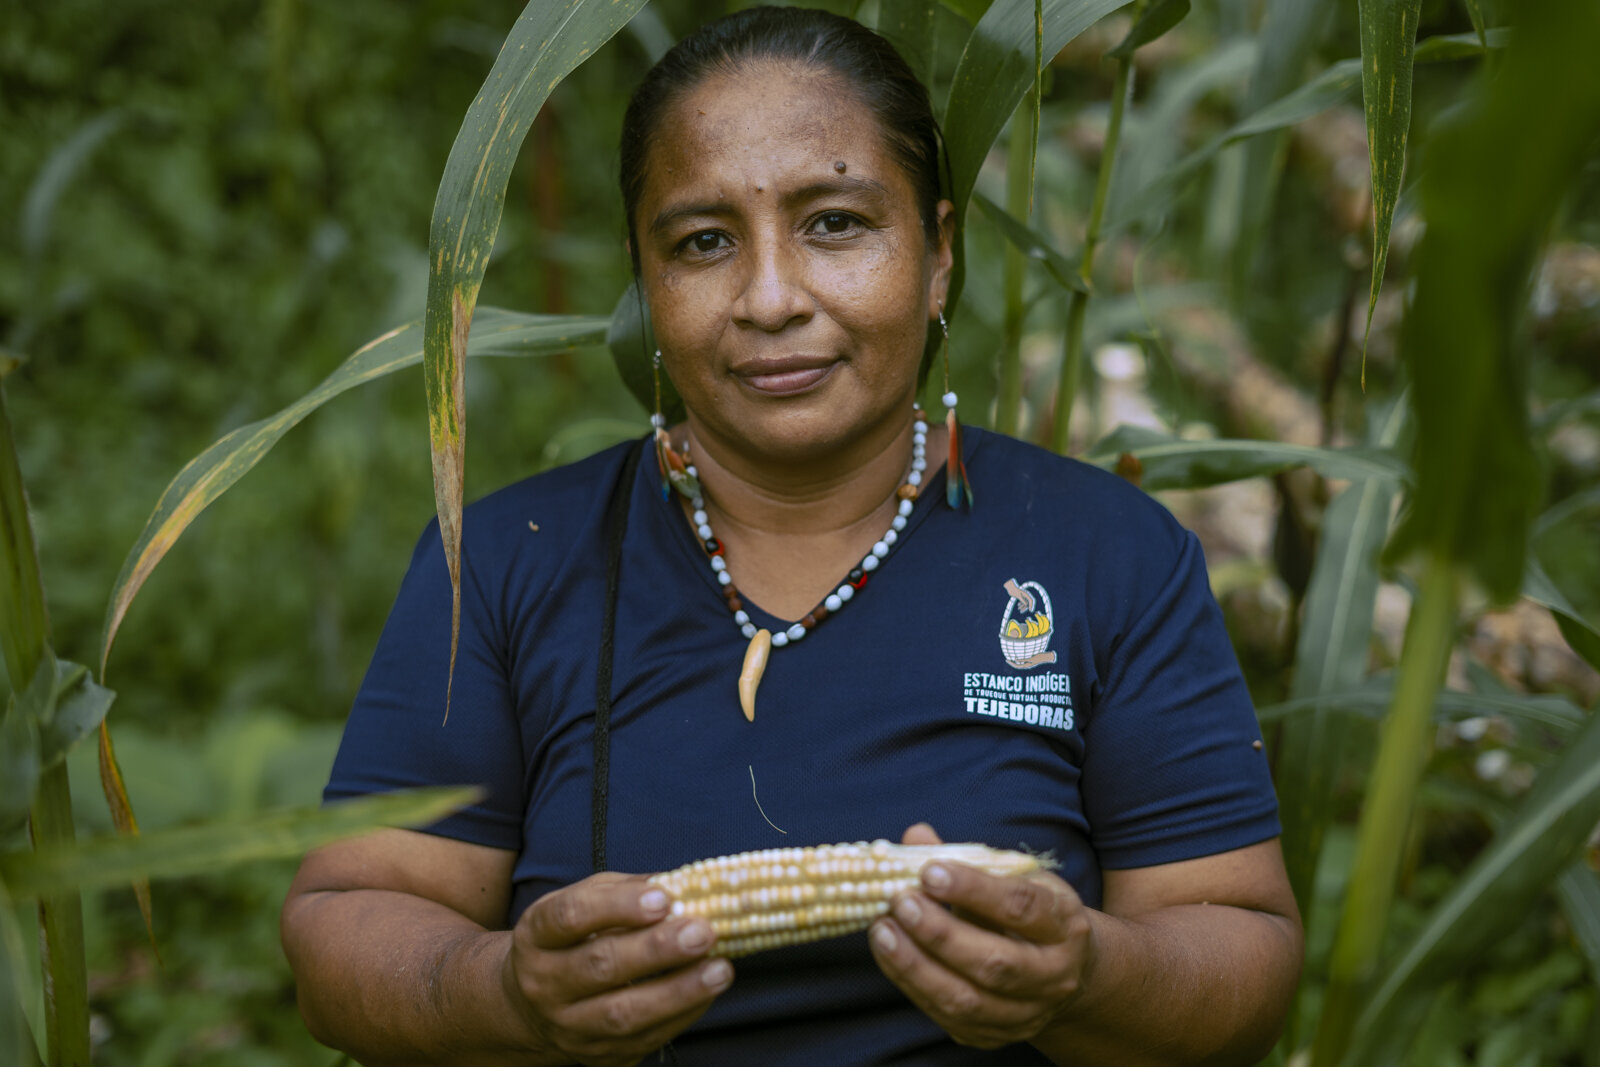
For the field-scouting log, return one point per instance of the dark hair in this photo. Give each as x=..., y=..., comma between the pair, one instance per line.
x=821, y=40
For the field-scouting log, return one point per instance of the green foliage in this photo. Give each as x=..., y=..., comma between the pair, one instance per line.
x=209, y=219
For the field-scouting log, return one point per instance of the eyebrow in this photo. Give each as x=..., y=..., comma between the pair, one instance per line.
x=843, y=185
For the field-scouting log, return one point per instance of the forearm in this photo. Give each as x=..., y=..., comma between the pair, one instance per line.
x=396, y=980
x=1191, y=984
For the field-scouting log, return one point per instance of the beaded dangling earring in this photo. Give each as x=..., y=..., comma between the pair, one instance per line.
x=675, y=471
x=957, y=484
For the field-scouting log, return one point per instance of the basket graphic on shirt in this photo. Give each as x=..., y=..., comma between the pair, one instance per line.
x=1027, y=626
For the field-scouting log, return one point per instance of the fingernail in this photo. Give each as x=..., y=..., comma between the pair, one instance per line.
x=907, y=911
x=716, y=975
x=884, y=937
x=694, y=937
x=653, y=901
x=935, y=877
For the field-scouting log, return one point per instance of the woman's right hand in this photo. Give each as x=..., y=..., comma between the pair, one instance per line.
x=601, y=975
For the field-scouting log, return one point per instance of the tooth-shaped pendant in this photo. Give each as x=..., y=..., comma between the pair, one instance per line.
x=755, y=665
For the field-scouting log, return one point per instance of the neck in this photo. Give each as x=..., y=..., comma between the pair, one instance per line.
x=757, y=495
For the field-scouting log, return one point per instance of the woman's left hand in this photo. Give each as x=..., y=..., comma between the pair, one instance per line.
x=1017, y=954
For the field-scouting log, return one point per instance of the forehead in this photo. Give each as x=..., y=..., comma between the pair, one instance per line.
x=761, y=126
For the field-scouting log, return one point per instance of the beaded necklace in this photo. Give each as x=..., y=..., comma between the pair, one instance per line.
x=763, y=641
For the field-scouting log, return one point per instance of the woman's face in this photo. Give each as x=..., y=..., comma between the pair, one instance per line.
x=790, y=278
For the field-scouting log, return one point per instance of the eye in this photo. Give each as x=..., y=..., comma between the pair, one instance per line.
x=834, y=222
x=703, y=243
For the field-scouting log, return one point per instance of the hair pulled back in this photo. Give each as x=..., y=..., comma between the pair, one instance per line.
x=819, y=40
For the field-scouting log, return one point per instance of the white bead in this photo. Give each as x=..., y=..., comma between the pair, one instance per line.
x=846, y=591
x=920, y=426
x=748, y=629
x=780, y=639
x=704, y=530
x=949, y=400
x=914, y=478
x=899, y=522
x=691, y=472
x=919, y=464
x=698, y=503
x=796, y=632
x=871, y=562
x=658, y=421
x=718, y=563
x=880, y=549
x=833, y=602
x=919, y=439
x=905, y=507
x=890, y=536
x=724, y=578
x=700, y=517
x=741, y=617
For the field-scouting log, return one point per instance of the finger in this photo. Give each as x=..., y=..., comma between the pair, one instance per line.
x=647, y=1015
x=968, y=1013
x=920, y=834
x=604, y=963
x=1040, y=908
x=571, y=915
x=1001, y=964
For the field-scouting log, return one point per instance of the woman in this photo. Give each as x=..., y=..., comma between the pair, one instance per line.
x=781, y=178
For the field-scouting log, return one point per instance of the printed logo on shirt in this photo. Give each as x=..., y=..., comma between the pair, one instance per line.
x=1037, y=699
x=1027, y=626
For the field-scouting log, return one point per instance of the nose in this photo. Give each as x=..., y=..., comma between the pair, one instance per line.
x=774, y=294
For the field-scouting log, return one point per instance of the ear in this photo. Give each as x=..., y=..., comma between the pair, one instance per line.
x=942, y=255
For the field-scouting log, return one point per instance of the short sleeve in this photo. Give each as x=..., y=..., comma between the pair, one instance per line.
x=1173, y=763
x=398, y=735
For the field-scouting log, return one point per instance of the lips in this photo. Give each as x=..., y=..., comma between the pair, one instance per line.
x=785, y=376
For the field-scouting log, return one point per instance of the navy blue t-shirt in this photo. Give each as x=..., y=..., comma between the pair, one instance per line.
x=1046, y=671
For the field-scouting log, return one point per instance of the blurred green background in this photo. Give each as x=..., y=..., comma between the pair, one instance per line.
x=205, y=207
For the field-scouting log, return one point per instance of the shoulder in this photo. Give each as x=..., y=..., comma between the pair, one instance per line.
x=1023, y=484
x=535, y=523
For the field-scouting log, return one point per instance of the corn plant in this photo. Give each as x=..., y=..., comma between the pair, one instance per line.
x=1453, y=453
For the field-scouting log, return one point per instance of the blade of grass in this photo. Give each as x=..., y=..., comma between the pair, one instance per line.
x=1388, y=41
x=549, y=40
x=190, y=850
x=995, y=70
x=1380, y=839
x=1071, y=371
x=1174, y=463
x=1331, y=655
x=210, y=474
x=1541, y=839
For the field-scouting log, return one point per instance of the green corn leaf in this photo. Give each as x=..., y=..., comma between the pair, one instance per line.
x=64, y=704
x=549, y=40
x=19, y=769
x=1540, y=840
x=1336, y=84
x=1475, y=13
x=211, y=846
x=214, y=471
x=1579, y=890
x=1581, y=501
x=1152, y=22
x=1492, y=187
x=909, y=25
x=632, y=348
x=1331, y=655
x=1388, y=40
x=1576, y=407
x=1581, y=634
x=1174, y=463
x=1289, y=33
x=971, y=10
x=1032, y=244
x=58, y=172
x=996, y=69
x=1371, y=699
x=17, y=1044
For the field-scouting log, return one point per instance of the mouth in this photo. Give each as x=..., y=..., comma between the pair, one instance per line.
x=785, y=376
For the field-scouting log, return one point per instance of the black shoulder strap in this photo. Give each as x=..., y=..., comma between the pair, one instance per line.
x=615, y=525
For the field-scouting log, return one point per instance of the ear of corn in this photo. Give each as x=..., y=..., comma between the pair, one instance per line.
x=785, y=896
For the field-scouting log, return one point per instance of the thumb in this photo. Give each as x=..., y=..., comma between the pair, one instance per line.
x=920, y=834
